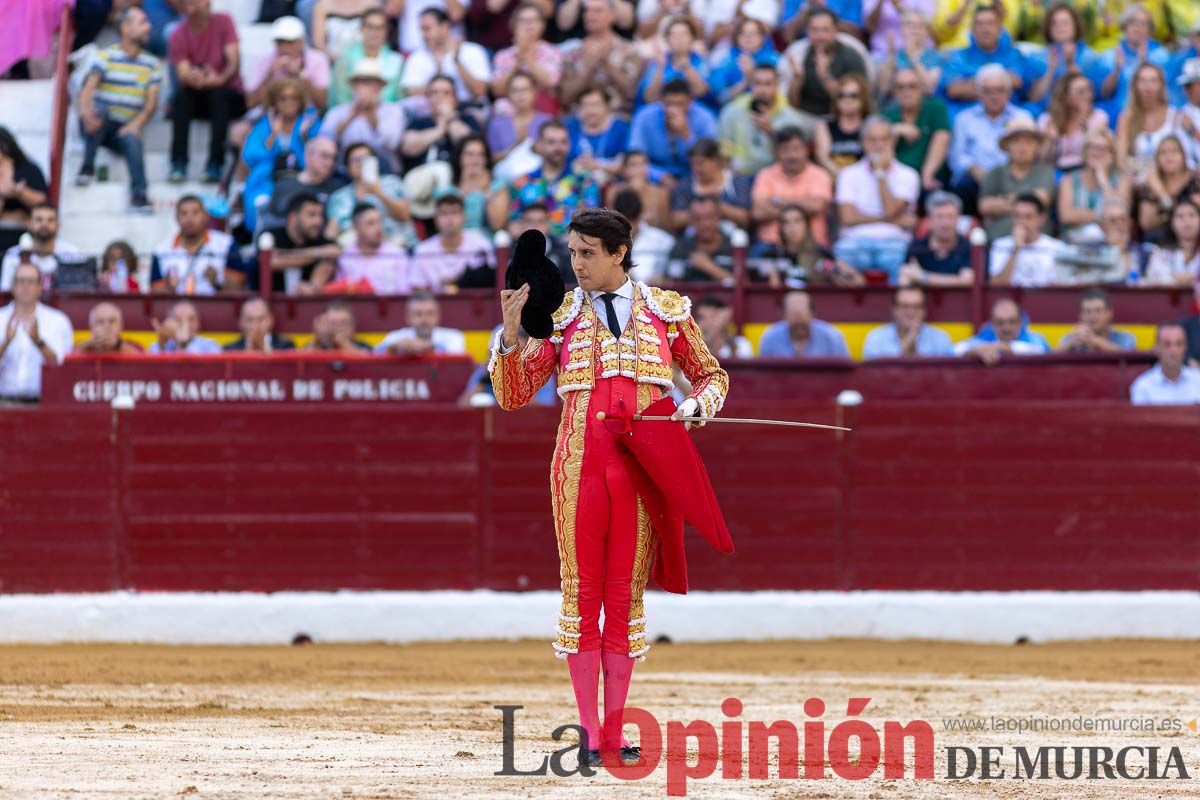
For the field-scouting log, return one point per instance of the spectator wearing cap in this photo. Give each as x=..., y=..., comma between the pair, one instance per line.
x=423, y=336
x=1022, y=174
x=1028, y=256
x=203, y=49
x=975, y=142
x=436, y=128
x=1189, y=109
x=46, y=250
x=443, y=53
x=921, y=125
x=876, y=201
x=1095, y=333
x=532, y=54
x=197, y=259
x=990, y=46
x=703, y=252
x=679, y=62
x=599, y=137
x=372, y=45
x=179, y=332
x=1005, y=333
x=792, y=180
x=334, y=331
x=303, y=259
x=371, y=257
x=257, y=324
x=291, y=59
x=119, y=96
x=33, y=335
x=715, y=320
x=1171, y=381
x=907, y=334
x=554, y=184
x=651, y=246
x=666, y=131
x=1177, y=66
x=943, y=256
x=384, y=192
x=105, y=326
x=747, y=124
x=367, y=118
x=710, y=177
x=455, y=255
x=801, y=334
x=600, y=57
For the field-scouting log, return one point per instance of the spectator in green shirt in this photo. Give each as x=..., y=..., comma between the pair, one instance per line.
x=921, y=126
x=372, y=45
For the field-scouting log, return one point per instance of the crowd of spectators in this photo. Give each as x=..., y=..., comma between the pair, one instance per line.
x=382, y=144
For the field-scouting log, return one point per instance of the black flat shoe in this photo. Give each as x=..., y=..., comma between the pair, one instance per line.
x=631, y=755
x=589, y=758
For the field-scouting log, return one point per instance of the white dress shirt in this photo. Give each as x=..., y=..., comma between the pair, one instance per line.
x=446, y=341
x=21, y=367
x=622, y=304
x=1152, y=387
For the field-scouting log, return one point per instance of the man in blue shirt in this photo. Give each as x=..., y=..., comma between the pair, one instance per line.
x=799, y=334
x=1175, y=89
x=1095, y=333
x=990, y=44
x=793, y=17
x=1171, y=381
x=907, y=334
x=666, y=130
x=975, y=144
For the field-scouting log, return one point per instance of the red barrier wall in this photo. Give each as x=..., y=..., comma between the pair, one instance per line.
x=921, y=496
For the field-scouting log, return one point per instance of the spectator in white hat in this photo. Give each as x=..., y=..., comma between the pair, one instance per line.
x=291, y=59
x=367, y=118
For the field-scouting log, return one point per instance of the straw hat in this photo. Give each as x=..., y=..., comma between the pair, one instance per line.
x=424, y=184
x=1020, y=126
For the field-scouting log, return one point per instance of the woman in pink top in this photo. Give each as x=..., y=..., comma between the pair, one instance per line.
x=1071, y=115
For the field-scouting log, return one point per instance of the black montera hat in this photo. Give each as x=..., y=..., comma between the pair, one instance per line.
x=530, y=265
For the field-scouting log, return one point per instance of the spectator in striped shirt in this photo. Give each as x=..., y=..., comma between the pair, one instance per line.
x=119, y=97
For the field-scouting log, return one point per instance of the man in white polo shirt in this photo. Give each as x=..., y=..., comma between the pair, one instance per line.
x=423, y=336
x=1027, y=257
x=876, y=204
x=47, y=247
x=33, y=335
x=197, y=260
x=1171, y=381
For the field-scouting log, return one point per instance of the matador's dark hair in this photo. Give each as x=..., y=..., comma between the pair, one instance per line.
x=612, y=228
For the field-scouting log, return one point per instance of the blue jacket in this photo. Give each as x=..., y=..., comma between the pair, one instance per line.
x=967, y=61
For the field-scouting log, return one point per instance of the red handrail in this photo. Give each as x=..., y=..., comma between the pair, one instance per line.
x=58, y=120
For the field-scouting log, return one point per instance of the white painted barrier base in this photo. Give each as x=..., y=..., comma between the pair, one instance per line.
x=353, y=616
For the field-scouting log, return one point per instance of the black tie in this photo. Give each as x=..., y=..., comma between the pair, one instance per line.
x=614, y=324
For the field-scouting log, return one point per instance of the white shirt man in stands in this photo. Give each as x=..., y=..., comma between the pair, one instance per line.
x=448, y=255
x=423, y=336
x=444, y=53
x=1027, y=257
x=877, y=203
x=47, y=247
x=1171, y=381
x=180, y=333
x=197, y=260
x=33, y=335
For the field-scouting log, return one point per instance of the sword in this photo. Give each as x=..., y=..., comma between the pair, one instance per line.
x=745, y=421
x=601, y=416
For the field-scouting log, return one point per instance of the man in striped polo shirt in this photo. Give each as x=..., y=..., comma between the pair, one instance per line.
x=119, y=96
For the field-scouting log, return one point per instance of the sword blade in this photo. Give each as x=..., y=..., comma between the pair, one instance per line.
x=746, y=421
